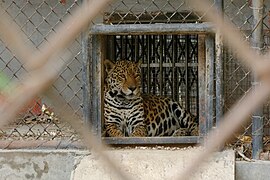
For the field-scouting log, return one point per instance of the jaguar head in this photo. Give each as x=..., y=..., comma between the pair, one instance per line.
x=123, y=78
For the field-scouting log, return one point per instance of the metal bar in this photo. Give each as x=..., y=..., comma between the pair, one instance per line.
x=122, y=47
x=132, y=49
x=178, y=71
x=110, y=53
x=126, y=44
x=161, y=52
x=148, y=63
x=143, y=41
x=219, y=69
x=198, y=79
x=174, y=76
x=131, y=29
x=115, y=44
x=97, y=69
x=41, y=144
x=257, y=43
x=219, y=5
x=186, y=72
x=202, y=84
x=137, y=49
x=86, y=79
x=210, y=58
x=153, y=140
x=170, y=65
x=154, y=75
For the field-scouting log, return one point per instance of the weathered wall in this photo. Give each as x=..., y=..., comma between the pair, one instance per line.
x=28, y=164
x=157, y=165
x=79, y=165
x=253, y=170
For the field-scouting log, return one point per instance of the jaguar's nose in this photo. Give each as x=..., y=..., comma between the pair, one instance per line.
x=132, y=88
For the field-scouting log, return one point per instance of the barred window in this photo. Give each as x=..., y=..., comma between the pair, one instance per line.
x=170, y=62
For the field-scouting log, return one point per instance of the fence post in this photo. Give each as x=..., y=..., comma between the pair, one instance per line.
x=97, y=87
x=86, y=78
x=257, y=43
x=202, y=85
x=219, y=68
x=210, y=59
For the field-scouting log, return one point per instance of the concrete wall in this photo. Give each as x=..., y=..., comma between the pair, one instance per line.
x=253, y=170
x=141, y=163
x=156, y=165
x=35, y=165
x=146, y=163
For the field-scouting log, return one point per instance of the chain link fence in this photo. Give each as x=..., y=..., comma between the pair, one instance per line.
x=238, y=80
x=38, y=121
x=38, y=19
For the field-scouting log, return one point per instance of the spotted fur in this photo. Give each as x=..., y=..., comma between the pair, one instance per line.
x=129, y=113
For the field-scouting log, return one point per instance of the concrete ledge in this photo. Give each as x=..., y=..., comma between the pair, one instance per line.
x=37, y=164
x=145, y=163
x=157, y=164
x=252, y=170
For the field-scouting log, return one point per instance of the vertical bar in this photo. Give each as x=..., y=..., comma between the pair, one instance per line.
x=136, y=48
x=110, y=53
x=126, y=46
x=131, y=47
x=186, y=71
x=154, y=44
x=219, y=69
x=174, y=59
x=122, y=47
x=202, y=84
x=86, y=78
x=197, y=83
x=97, y=87
x=178, y=71
x=210, y=58
x=219, y=5
x=257, y=43
x=148, y=62
x=161, y=53
x=143, y=47
x=115, y=48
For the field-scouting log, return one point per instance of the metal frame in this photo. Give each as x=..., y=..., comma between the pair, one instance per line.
x=97, y=86
x=153, y=140
x=86, y=78
x=210, y=59
x=219, y=69
x=131, y=29
x=257, y=43
x=98, y=34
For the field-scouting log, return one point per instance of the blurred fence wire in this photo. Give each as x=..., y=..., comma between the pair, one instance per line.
x=39, y=67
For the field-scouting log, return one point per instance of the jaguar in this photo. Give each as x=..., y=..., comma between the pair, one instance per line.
x=129, y=113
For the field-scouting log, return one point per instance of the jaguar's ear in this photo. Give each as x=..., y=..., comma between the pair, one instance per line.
x=108, y=65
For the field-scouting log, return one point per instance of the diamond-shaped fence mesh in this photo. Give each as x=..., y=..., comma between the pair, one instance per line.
x=238, y=80
x=149, y=12
x=160, y=53
x=38, y=19
x=240, y=13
